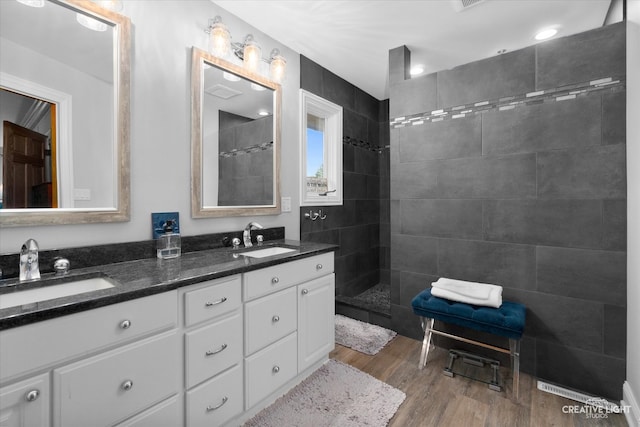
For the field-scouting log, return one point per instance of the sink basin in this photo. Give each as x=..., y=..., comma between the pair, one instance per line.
x=29, y=296
x=263, y=253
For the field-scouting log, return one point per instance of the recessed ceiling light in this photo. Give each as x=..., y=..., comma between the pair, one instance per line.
x=416, y=70
x=546, y=33
x=263, y=113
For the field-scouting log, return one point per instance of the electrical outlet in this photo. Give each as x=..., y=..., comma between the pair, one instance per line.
x=158, y=219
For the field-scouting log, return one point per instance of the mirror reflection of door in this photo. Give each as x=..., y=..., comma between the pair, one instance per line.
x=28, y=152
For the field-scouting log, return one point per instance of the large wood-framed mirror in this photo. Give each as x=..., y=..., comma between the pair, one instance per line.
x=64, y=97
x=235, y=140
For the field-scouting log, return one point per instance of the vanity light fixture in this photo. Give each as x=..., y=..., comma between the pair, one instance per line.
x=94, y=24
x=248, y=51
x=32, y=3
x=546, y=33
x=219, y=37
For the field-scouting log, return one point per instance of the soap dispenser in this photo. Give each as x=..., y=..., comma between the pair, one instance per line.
x=169, y=242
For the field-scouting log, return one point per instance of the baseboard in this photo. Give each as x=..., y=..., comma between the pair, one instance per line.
x=629, y=400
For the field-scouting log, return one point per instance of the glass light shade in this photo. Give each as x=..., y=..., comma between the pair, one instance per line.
x=252, y=54
x=114, y=5
x=219, y=38
x=32, y=3
x=90, y=23
x=278, y=66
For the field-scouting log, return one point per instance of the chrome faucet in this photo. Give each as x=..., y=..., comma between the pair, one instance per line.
x=246, y=235
x=29, y=269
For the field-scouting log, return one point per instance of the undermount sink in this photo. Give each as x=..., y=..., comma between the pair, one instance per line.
x=49, y=292
x=263, y=253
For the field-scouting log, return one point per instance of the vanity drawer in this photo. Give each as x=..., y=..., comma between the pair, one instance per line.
x=212, y=349
x=117, y=384
x=166, y=413
x=219, y=297
x=269, y=318
x=216, y=401
x=271, y=279
x=271, y=368
x=40, y=344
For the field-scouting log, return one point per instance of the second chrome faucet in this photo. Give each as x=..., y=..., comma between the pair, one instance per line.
x=246, y=234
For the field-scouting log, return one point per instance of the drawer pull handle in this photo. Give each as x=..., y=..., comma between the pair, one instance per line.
x=319, y=267
x=211, y=304
x=32, y=395
x=305, y=291
x=212, y=352
x=275, y=318
x=218, y=406
x=276, y=369
x=275, y=280
x=125, y=324
x=127, y=385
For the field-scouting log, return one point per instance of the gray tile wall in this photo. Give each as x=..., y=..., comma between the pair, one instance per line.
x=357, y=225
x=531, y=198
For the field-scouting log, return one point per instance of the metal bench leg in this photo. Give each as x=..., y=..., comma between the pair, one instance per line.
x=514, y=349
x=427, y=326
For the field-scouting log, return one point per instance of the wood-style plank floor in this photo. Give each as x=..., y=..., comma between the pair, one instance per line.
x=434, y=399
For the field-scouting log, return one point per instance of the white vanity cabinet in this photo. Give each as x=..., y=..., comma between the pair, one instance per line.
x=26, y=403
x=78, y=365
x=288, y=324
x=208, y=354
x=213, y=350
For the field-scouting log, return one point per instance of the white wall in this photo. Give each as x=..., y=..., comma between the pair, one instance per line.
x=163, y=33
x=632, y=386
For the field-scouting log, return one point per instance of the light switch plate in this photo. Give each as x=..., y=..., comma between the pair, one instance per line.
x=286, y=204
x=158, y=220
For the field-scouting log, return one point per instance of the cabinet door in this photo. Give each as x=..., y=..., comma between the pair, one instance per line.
x=316, y=318
x=26, y=404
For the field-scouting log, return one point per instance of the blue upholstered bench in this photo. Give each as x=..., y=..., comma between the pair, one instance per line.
x=507, y=321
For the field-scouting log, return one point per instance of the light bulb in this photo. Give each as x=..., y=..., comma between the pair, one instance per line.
x=252, y=54
x=278, y=66
x=220, y=38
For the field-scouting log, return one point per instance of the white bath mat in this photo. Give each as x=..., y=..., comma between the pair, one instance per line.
x=360, y=336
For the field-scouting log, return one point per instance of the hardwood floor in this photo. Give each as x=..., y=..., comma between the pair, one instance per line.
x=434, y=399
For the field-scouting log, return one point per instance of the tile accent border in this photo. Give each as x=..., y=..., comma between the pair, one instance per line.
x=247, y=150
x=562, y=93
x=358, y=143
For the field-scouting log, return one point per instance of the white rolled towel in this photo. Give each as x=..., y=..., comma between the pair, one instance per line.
x=474, y=293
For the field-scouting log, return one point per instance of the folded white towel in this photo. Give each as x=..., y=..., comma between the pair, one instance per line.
x=475, y=293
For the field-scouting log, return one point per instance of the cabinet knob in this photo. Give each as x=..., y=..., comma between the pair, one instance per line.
x=318, y=266
x=275, y=318
x=276, y=369
x=127, y=385
x=212, y=303
x=218, y=406
x=125, y=324
x=32, y=395
x=212, y=352
x=275, y=280
x=305, y=291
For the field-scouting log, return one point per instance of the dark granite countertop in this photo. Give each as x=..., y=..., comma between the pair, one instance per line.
x=139, y=278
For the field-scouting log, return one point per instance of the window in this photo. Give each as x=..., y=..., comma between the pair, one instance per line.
x=320, y=151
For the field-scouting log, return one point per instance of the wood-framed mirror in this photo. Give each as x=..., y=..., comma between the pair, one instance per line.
x=64, y=94
x=235, y=140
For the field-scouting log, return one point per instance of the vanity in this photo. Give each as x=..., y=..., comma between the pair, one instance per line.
x=210, y=339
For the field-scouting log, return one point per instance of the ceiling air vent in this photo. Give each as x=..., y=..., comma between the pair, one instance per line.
x=460, y=5
x=222, y=91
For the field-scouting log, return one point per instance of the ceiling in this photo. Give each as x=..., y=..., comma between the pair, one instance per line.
x=352, y=38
